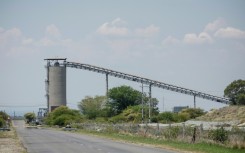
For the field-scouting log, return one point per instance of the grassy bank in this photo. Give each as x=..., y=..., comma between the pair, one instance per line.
x=172, y=145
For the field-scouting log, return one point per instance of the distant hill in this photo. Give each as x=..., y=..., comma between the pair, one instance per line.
x=229, y=113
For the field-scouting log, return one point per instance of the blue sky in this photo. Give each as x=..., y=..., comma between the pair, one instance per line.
x=198, y=45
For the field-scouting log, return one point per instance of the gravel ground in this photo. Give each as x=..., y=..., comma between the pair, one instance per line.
x=9, y=142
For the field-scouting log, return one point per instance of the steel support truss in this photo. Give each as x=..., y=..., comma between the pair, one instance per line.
x=146, y=81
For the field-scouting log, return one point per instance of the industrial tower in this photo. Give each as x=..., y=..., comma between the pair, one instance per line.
x=55, y=83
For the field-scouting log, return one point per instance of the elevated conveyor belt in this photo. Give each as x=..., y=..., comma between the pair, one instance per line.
x=147, y=81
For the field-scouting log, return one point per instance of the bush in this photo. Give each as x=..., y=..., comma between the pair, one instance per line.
x=171, y=132
x=2, y=122
x=218, y=135
x=30, y=117
x=183, y=116
x=167, y=117
x=193, y=112
x=117, y=119
x=63, y=120
x=154, y=119
x=62, y=116
x=3, y=115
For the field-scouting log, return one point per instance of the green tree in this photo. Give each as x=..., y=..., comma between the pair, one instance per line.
x=236, y=92
x=29, y=117
x=241, y=99
x=93, y=107
x=154, y=108
x=122, y=97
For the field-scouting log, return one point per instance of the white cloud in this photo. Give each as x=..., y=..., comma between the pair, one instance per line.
x=118, y=22
x=170, y=40
x=52, y=30
x=193, y=38
x=230, y=32
x=215, y=25
x=27, y=41
x=46, y=42
x=53, y=37
x=115, y=28
x=148, y=31
x=14, y=43
x=9, y=37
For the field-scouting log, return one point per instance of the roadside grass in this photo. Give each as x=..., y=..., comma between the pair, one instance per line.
x=201, y=147
x=10, y=143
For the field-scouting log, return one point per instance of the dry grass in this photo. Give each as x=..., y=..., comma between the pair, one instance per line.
x=229, y=113
x=9, y=142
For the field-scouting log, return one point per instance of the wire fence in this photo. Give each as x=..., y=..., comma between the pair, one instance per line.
x=192, y=134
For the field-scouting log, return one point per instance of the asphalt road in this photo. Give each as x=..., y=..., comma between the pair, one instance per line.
x=51, y=141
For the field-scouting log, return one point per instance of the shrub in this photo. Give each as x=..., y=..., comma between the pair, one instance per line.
x=2, y=122
x=193, y=112
x=218, y=135
x=63, y=120
x=183, y=116
x=3, y=115
x=171, y=132
x=117, y=119
x=29, y=117
x=166, y=117
x=154, y=119
x=62, y=116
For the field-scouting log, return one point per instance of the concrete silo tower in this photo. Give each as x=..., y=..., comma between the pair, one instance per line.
x=56, y=83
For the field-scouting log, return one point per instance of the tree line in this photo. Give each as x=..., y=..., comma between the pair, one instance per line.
x=124, y=104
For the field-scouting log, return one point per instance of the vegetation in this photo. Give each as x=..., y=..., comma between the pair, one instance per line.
x=171, y=142
x=193, y=112
x=219, y=135
x=92, y=107
x=9, y=142
x=184, y=115
x=236, y=92
x=62, y=116
x=30, y=117
x=229, y=113
x=123, y=105
x=122, y=97
x=3, y=118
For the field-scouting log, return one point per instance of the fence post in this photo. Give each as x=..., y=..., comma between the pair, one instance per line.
x=194, y=135
x=201, y=130
x=183, y=127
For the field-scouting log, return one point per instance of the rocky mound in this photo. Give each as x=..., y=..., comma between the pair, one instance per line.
x=229, y=113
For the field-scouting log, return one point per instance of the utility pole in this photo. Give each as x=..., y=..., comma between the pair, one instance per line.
x=150, y=103
x=162, y=103
x=107, y=86
x=142, y=104
x=195, y=101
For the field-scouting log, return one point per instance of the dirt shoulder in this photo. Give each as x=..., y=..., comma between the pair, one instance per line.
x=10, y=143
